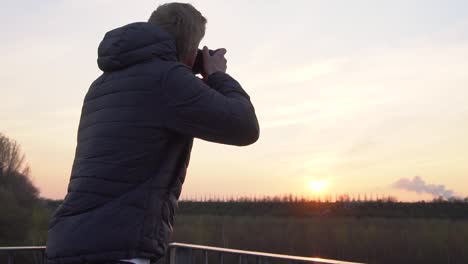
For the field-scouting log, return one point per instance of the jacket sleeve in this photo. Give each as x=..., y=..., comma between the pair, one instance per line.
x=218, y=110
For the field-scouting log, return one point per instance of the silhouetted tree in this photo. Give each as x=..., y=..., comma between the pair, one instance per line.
x=11, y=158
x=18, y=195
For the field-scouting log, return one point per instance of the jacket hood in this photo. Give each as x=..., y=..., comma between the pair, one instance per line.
x=134, y=43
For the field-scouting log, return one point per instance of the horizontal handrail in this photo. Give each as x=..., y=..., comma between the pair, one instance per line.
x=33, y=248
x=9, y=251
x=173, y=246
x=258, y=254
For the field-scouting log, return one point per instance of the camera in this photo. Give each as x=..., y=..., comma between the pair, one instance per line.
x=198, y=65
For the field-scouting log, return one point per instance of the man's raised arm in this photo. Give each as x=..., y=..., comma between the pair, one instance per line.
x=218, y=110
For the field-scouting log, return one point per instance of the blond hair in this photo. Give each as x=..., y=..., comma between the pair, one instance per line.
x=185, y=23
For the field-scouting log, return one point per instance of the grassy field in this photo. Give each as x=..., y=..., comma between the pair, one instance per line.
x=370, y=240
x=367, y=232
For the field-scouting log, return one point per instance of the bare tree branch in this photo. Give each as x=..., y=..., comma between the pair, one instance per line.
x=12, y=160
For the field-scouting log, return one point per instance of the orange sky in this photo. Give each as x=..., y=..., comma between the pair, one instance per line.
x=358, y=95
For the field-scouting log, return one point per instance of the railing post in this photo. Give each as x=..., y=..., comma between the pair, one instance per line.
x=180, y=255
x=10, y=257
x=171, y=255
x=221, y=258
x=43, y=257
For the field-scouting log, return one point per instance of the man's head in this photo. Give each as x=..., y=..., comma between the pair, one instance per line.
x=185, y=23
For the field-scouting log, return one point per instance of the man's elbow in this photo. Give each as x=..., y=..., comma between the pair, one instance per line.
x=249, y=134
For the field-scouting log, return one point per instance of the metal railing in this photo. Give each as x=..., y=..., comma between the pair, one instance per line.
x=187, y=254
x=179, y=253
x=10, y=252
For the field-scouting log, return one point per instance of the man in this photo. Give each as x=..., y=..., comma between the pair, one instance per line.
x=137, y=126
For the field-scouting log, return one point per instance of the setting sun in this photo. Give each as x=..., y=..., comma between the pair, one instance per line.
x=318, y=186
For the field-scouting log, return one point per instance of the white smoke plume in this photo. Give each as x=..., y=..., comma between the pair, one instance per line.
x=419, y=186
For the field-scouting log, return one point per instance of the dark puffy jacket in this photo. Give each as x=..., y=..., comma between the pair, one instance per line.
x=137, y=126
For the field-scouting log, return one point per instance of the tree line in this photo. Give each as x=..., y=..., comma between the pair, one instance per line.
x=23, y=218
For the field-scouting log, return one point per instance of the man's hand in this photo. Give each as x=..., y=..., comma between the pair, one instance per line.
x=214, y=63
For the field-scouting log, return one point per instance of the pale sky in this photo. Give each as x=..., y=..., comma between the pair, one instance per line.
x=356, y=94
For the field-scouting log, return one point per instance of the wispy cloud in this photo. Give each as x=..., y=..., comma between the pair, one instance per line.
x=314, y=70
x=294, y=114
x=418, y=185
